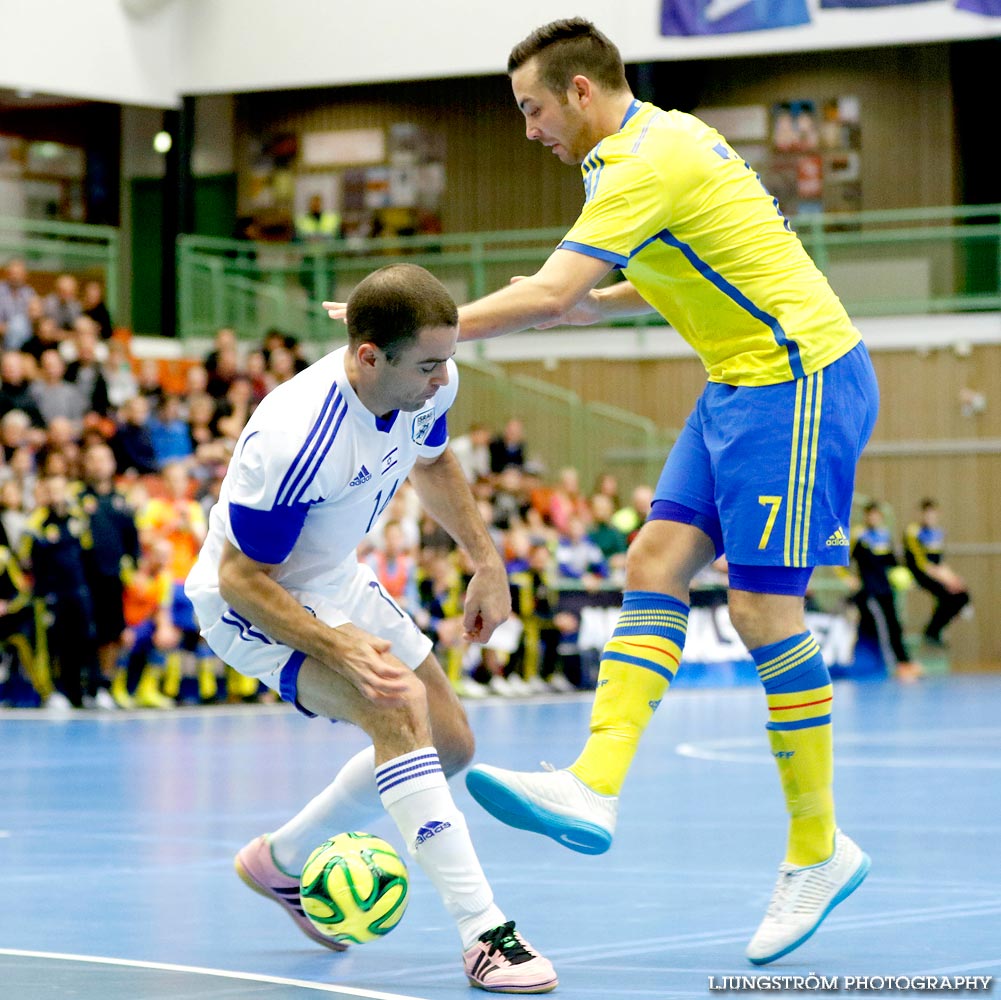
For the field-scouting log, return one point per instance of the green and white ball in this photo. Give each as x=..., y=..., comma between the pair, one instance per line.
x=354, y=888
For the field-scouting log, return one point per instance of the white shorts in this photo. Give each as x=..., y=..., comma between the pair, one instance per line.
x=360, y=600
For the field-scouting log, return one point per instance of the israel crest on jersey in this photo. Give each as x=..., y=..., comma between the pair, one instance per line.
x=422, y=425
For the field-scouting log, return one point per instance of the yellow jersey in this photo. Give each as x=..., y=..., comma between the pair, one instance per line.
x=693, y=229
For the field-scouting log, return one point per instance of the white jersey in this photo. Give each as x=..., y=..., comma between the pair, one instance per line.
x=311, y=473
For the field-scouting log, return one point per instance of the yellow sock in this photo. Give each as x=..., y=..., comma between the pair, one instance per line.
x=172, y=675
x=799, y=693
x=805, y=761
x=208, y=684
x=637, y=667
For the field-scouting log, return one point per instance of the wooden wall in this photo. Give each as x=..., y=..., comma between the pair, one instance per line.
x=496, y=179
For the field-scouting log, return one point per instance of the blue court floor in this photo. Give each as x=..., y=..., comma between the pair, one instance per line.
x=117, y=833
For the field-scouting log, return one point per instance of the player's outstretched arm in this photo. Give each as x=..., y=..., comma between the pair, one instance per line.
x=444, y=493
x=361, y=658
x=542, y=299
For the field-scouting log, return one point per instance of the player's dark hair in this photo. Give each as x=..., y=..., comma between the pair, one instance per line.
x=391, y=306
x=567, y=48
x=928, y=504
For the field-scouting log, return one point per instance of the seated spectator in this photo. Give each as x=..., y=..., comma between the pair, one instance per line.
x=150, y=382
x=395, y=566
x=629, y=519
x=171, y=434
x=281, y=365
x=224, y=372
x=256, y=370
x=63, y=439
x=132, y=441
x=472, y=449
x=63, y=304
x=86, y=370
x=13, y=515
x=274, y=339
x=225, y=342
x=233, y=412
x=578, y=558
x=299, y=360
x=202, y=416
x=16, y=432
x=17, y=304
x=47, y=336
x=15, y=391
x=608, y=485
x=509, y=501
x=119, y=377
x=508, y=447
x=54, y=396
x=604, y=534
x=567, y=501
x=96, y=308
x=83, y=329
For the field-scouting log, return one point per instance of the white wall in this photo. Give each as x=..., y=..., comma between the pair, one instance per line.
x=93, y=49
x=331, y=41
x=148, y=52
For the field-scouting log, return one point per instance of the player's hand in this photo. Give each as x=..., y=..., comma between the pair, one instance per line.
x=951, y=580
x=367, y=662
x=584, y=313
x=488, y=602
x=337, y=310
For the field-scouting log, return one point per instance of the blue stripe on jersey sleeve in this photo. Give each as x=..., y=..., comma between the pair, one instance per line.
x=267, y=535
x=606, y=255
x=438, y=434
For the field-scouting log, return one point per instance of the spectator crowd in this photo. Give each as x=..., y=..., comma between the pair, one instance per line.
x=107, y=476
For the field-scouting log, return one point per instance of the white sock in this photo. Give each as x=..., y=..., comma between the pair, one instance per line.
x=348, y=803
x=416, y=795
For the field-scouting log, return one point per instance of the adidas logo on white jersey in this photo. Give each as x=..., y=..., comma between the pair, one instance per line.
x=363, y=477
x=839, y=538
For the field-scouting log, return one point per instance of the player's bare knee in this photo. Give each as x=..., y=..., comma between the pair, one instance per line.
x=455, y=746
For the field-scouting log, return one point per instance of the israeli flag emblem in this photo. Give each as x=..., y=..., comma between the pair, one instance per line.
x=423, y=423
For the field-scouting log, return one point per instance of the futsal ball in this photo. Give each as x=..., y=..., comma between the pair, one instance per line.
x=354, y=888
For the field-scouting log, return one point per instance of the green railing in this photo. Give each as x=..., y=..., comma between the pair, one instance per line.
x=55, y=247
x=899, y=262
x=591, y=437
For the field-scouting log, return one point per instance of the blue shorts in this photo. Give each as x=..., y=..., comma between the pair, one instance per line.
x=769, y=471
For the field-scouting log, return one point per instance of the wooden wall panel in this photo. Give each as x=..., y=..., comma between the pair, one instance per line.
x=496, y=179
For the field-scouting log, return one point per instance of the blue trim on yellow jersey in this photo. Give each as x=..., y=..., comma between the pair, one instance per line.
x=605, y=255
x=646, y=128
x=630, y=111
x=592, y=173
x=715, y=278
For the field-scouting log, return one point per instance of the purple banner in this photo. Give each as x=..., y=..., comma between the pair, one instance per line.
x=720, y=17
